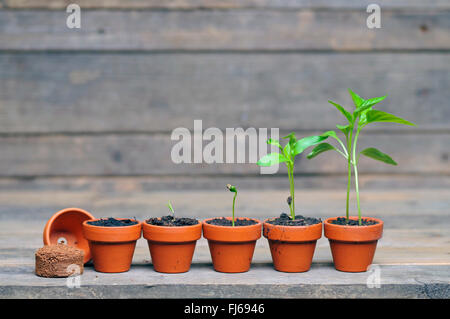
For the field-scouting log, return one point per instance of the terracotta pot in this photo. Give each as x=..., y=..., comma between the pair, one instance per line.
x=231, y=247
x=172, y=247
x=112, y=248
x=292, y=247
x=66, y=227
x=353, y=247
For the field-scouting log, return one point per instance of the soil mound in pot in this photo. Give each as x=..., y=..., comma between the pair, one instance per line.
x=285, y=220
x=170, y=220
x=222, y=221
x=112, y=222
x=343, y=221
x=59, y=261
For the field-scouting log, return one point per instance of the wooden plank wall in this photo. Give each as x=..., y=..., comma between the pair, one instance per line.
x=102, y=101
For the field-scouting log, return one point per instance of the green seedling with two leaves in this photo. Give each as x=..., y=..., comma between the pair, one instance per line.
x=362, y=115
x=287, y=155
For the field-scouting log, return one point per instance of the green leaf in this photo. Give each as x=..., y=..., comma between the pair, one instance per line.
x=380, y=116
x=373, y=101
x=306, y=142
x=323, y=147
x=292, y=138
x=271, y=159
x=363, y=116
x=366, y=104
x=347, y=114
x=378, y=155
x=271, y=141
x=357, y=100
x=344, y=129
x=330, y=133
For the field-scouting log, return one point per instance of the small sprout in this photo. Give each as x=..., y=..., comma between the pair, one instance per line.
x=171, y=208
x=232, y=189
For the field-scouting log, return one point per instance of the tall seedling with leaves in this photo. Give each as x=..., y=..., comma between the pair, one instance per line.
x=287, y=155
x=363, y=115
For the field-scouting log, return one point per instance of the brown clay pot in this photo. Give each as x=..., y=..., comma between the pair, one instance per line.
x=353, y=247
x=172, y=247
x=231, y=247
x=65, y=227
x=292, y=247
x=112, y=248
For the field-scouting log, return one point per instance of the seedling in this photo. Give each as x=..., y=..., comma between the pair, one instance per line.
x=287, y=155
x=232, y=189
x=363, y=115
x=171, y=208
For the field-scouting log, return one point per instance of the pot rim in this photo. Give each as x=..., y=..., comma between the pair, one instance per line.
x=55, y=216
x=236, y=234
x=380, y=222
x=231, y=227
x=114, y=234
x=111, y=227
x=289, y=226
x=171, y=227
x=292, y=234
x=46, y=233
x=172, y=234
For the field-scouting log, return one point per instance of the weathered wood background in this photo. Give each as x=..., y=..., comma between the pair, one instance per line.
x=92, y=109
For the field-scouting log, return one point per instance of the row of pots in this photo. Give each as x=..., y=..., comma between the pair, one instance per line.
x=292, y=247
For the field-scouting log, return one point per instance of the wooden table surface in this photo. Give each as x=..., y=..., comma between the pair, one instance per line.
x=413, y=255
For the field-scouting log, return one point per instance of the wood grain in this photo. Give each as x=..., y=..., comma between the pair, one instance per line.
x=144, y=154
x=225, y=30
x=81, y=93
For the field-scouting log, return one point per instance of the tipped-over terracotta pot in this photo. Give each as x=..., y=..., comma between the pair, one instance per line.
x=292, y=247
x=112, y=248
x=231, y=247
x=65, y=227
x=353, y=247
x=172, y=247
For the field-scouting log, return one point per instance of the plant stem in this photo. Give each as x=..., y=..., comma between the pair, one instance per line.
x=292, y=190
x=355, y=168
x=234, y=201
x=349, y=182
x=357, y=194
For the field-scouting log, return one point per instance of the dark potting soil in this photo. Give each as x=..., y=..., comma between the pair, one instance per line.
x=222, y=221
x=112, y=222
x=351, y=222
x=170, y=220
x=285, y=220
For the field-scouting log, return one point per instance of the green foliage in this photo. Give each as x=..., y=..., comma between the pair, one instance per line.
x=378, y=155
x=322, y=147
x=287, y=155
x=362, y=115
x=380, y=116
